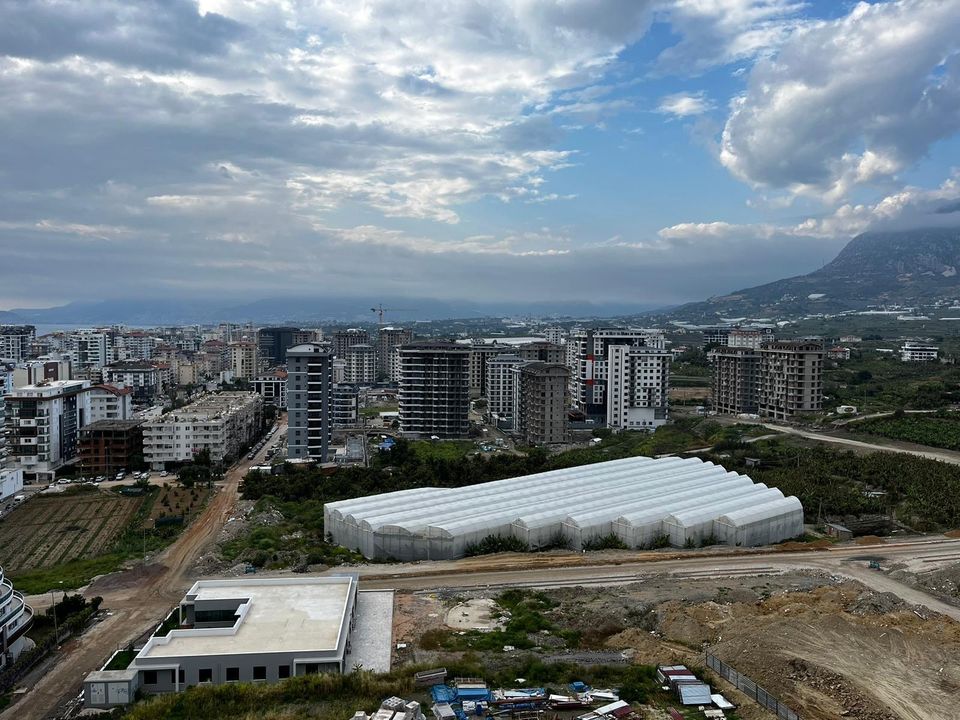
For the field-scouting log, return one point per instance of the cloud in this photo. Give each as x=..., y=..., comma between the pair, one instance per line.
x=725, y=31
x=685, y=104
x=849, y=102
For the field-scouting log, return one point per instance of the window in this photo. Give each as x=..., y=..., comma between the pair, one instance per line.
x=206, y=675
x=150, y=677
x=181, y=676
x=311, y=669
x=283, y=671
x=233, y=674
x=259, y=672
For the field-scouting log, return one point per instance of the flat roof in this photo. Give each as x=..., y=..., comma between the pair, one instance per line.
x=276, y=615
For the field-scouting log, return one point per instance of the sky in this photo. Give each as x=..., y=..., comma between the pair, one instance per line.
x=648, y=151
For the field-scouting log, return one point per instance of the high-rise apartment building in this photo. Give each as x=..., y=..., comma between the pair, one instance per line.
x=109, y=402
x=749, y=337
x=361, y=364
x=244, y=361
x=638, y=385
x=541, y=402
x=736, y=380
x=346, y=401
x=309, y=402
x=15, y=342
x=501, y=379
x=554, y=335
x=43, y=424
x=272, y=387
x=541, y=351
x=480, y=355
x=434, y=389
x=91, y=348
x=388, y=339
x=590, y=380
x=791, y=378
x=273, y=343
x=343, y=339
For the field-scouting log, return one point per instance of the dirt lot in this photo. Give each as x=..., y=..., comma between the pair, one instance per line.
x=825, y=647
x=53, y=529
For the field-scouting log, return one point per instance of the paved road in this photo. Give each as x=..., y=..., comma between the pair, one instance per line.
x=136, y=599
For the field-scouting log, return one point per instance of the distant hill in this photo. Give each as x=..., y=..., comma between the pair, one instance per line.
x=876, y=268
x=303, y=310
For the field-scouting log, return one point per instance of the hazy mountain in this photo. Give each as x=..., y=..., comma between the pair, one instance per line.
x=877, y=268
x=302, y=310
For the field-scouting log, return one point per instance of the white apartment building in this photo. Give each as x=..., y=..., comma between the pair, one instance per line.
x=501, y=382
x=223, y=423
x=11, y=482
x=273, y=388
x=91, y=348
x=134, y=345
x=918, y=352
x=555, y=335
x=339, y=370
x=590, y=375
x=749, y=337
x=49, y=367
x=148, y=380
x=16, y=617
x=109, y=402
x=244, y=359
x=15, y=341
x=43, y=423
x=361, y=364
x=638, y=385
x=388, y=340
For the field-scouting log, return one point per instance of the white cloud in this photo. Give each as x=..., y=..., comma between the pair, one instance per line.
x=685, y=104
x=849, y=102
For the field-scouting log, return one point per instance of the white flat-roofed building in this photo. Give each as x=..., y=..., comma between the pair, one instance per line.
x=638, y=385
x=109, y=402
x=43, y=423
x=11, y=482
x=918, y=352
x=224, y=424
x=257, y=630
x=16, y=617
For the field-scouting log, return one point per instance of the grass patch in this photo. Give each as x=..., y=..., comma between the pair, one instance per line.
x=525, y=619
x=122, y=660
x=443, y=449
x=73, y=574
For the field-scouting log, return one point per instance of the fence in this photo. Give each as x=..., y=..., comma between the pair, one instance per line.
x=749, y=687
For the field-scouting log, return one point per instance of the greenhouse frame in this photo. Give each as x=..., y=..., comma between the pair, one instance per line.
x=642, y=501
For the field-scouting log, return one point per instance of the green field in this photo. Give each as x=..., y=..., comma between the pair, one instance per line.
x=940, y=430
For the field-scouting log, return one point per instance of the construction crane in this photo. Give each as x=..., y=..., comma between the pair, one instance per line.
x=380, y=310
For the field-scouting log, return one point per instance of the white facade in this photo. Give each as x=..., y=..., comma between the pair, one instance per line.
x=273, y=388
x=224, y=424
x=48, y=367
x=501, y=385
x=640, y=500
x=15, y=619
x=243, y=360
x=748, y=337
x=361, y=364
x=15, y=342
x=637, y=387
x=11, y=482
x=555, y=335
x=917, y=352
x=91, y=348
x=43, y=424
x=134, y=346
x=108, y=402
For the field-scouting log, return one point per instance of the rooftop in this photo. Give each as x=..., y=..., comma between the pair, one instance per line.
x=275, y=615
x=103, y=425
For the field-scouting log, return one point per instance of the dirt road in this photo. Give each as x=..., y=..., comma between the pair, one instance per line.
x=136, y=599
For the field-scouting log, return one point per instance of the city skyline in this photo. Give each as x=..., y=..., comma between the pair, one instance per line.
x=660, y=152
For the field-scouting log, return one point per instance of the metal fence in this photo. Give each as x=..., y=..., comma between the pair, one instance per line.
x=749, y=687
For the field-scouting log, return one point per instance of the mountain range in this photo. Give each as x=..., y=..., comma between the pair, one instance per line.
x=902, y=268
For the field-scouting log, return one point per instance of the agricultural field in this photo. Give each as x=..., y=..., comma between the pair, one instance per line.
x=940, y=430
x=55, y=529
x=173, y=502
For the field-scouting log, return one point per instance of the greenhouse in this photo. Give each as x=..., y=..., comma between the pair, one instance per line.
x=641, y=500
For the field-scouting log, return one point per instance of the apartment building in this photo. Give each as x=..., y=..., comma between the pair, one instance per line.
x=109, y=446
x=791, y=378
x=148, y=380
x=110, y=402
x=223, y=423
x=273, y=387
x=388, y=340
x=344, y=339
x=736, y=380
x=16, y=618
x=91, y=348
x=500, y=386
x=541, y=351
x=134, y=345
x=749, y=337
x=15, y=342
x=434, y=392
x=590, y=355
x=540, y=391
x=309, y=402
x=346, y=405
x=43, y=369
x=554, y=335
x=918, y=352
x=638, y=385
x=42, y=425
x=244, y=361
x=273, y=343
x=480, y=354
x=361, y=364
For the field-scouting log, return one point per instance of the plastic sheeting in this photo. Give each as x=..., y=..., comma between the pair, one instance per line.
x=638, y=499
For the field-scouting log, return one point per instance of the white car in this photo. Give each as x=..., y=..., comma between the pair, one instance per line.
x=163, y=473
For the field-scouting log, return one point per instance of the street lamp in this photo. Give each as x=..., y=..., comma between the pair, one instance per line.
x=53, y=607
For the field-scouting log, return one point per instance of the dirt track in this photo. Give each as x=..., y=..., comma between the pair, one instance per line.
x=136, y=599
